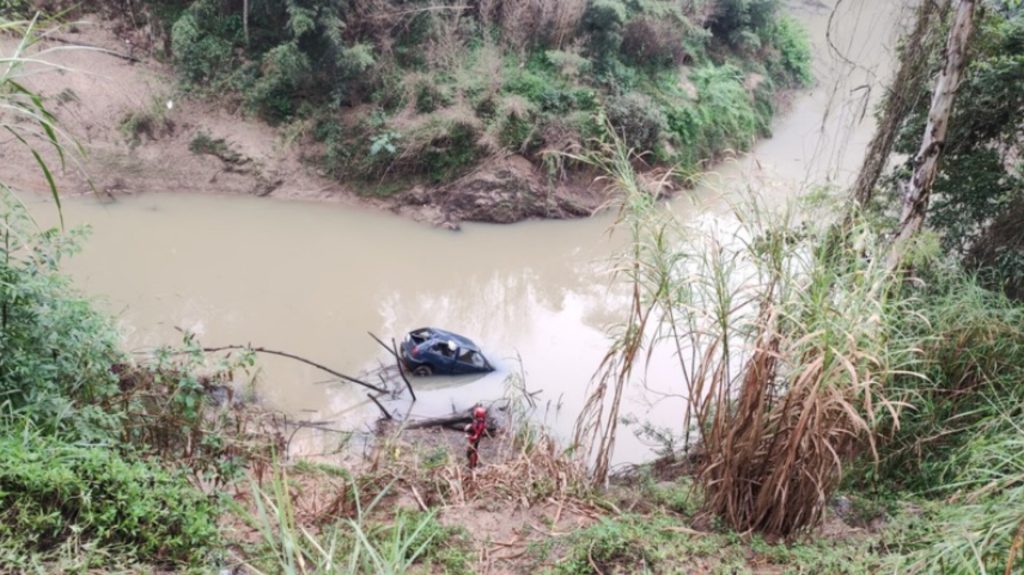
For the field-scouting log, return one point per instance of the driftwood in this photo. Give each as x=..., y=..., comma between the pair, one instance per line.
x=454, y=422
x=297, y=358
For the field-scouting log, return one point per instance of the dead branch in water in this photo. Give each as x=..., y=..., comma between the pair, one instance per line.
x=296, y=358
x=401, y=370
x=387, y=414
x=393, y=350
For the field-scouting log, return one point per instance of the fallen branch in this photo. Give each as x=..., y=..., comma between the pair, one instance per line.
x=454, y=422
x=296, y=358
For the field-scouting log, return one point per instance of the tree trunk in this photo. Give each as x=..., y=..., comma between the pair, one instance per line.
x=917, y=191
x=900, y=98
x=245, y=21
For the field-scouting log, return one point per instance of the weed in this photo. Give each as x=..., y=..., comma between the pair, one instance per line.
x=57, y=494
x=149, y=124
x=203, y=143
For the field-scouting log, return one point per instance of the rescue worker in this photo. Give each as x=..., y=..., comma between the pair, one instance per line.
x=474, y=432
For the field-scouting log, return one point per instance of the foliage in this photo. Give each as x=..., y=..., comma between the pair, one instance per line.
x=722, y=119
x=793, y=60
x=970, y=360
x=321, y=61
x=354, y=545
x=56, y=352
x=637, y=120
x=744, y=23
x=979, y=190
x=57, y=494
x=785, y=346
x=647, y=41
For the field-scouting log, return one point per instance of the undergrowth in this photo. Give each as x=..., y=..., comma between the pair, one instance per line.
x=423, y=91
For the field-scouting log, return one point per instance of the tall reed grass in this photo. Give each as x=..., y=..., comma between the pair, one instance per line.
x=785, y=342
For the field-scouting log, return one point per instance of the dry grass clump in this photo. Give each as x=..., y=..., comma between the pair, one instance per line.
x=785, y=341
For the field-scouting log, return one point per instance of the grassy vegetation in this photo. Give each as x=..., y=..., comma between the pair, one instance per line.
x=821, y=385
x=423, y=91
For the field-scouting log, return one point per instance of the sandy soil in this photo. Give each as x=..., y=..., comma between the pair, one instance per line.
x=94, y=93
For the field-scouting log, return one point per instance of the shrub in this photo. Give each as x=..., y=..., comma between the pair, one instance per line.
x=637, y=119
x=724, y=117
x=603, y=21
x=516, y=124
x=441, y=150
x=792, y=62
x=55, y=350
x=429, y=96
x=742, y=23
x=201, y=56
x=648, y=41
x=56, y=493
x=569, y=64
x=285, y=70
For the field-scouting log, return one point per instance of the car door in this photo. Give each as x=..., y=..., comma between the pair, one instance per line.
x=467, y=361
x=444, y=358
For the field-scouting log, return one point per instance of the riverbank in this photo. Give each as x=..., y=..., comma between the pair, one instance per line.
x=173, y=132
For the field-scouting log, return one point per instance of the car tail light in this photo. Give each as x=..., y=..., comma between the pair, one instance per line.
x=415, y=350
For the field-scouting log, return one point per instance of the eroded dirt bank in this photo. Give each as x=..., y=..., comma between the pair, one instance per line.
x=139, y=134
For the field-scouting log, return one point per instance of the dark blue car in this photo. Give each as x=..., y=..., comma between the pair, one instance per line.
x=429, y=351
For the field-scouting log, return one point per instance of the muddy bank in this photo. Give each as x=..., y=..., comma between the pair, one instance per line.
x=140, y=134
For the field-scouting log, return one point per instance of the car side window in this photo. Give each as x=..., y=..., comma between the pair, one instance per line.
x=472, y=358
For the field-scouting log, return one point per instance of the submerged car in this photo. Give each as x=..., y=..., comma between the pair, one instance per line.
x=430, y=351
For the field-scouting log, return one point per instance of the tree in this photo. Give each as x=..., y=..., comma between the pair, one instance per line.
x=917, y=191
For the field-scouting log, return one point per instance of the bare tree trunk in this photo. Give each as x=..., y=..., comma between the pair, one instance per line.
x=900, y=98
x=245, y=21
x=917, y=191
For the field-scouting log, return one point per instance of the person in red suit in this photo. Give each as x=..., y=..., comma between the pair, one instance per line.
x=474, y=432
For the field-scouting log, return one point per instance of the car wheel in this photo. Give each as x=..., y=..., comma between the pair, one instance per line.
x=422, y=371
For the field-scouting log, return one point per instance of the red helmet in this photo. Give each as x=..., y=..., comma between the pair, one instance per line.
x=479, y=412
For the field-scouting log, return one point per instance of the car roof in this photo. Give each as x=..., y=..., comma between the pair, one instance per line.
x=462, y=341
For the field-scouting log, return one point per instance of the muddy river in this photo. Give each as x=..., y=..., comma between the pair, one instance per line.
x=313, y=279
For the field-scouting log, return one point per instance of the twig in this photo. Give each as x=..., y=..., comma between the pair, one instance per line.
x=401, y=370
x=296, y=358
x=384, y=345
x=382, y=410
x=100, y=49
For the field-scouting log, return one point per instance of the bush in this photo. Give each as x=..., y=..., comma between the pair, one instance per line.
x=637, y=119
x=430, y=96
x=724, y=117
x=441, y=150
x=517, y=125
x=653, y=42
x=792, y=62
x=201, y=56
x=56, y=352
x=603, y=21
x=742, y=23
x=56, y=493
x=285, y=70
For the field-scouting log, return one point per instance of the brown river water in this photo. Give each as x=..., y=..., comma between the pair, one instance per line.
x=313, y=279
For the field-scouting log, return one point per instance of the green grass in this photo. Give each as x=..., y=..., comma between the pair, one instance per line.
x=59, y=496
